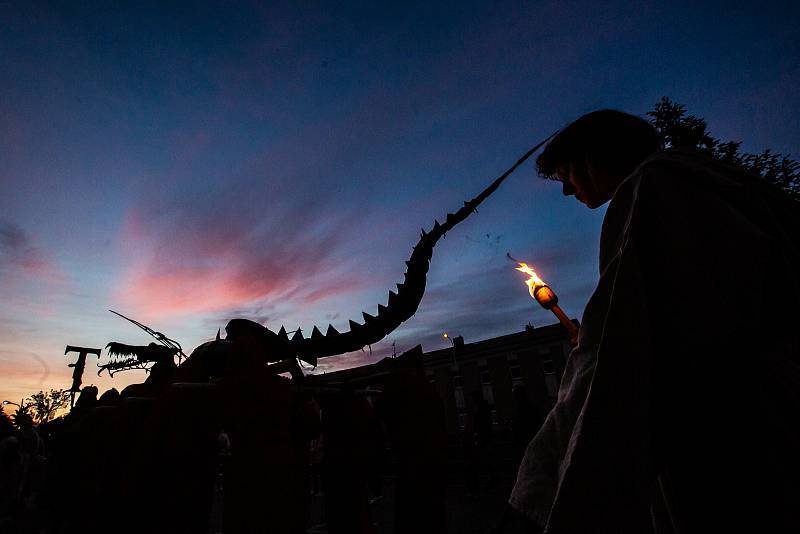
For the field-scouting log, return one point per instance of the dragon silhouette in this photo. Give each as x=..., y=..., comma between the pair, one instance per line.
x=401, y=305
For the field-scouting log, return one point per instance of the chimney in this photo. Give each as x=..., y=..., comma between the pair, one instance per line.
x=458, y=341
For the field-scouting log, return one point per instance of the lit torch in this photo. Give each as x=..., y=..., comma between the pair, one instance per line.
x=548, y=299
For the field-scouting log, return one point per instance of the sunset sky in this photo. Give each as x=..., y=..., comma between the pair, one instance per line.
x=189, y=164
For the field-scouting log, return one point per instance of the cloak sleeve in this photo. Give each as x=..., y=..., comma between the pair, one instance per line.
x=540, y=471
x=606, y=471
x=538, y=474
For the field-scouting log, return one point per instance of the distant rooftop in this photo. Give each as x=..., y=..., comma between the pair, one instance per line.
x=552, y=333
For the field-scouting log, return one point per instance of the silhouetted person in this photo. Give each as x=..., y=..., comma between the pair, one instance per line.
x=345, y=463
x=412, y=411
x=109, y=397
x=268, y=426
x=12, y=471
x=681, y=397
x=86, y=401
x=6, y=427
x=377, y=460
x=304, y=427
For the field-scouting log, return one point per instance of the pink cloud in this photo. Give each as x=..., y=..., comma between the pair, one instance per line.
x=196, y=290
x=197, y=263
x=181, y=290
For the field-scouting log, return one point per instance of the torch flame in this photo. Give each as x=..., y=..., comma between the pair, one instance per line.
x=534, y=282
x=547, y=298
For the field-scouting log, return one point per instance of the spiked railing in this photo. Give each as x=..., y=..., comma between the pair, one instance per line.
x=402, y=304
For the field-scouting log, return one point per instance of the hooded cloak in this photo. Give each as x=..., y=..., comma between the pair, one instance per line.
x=678, y=410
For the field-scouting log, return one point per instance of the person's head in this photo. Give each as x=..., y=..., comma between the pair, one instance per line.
x=594, y=154
x=109, y=398
x=87, y=399
x=6, y=427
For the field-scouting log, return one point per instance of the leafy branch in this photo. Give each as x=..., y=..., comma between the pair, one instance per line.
x=680, y=129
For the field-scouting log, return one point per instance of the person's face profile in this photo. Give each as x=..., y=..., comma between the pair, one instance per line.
x=575, y=182
x=578, y=180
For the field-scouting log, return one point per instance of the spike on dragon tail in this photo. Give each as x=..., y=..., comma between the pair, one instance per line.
x=402, y=304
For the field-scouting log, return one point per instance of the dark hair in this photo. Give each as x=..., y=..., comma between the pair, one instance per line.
x=611, y=140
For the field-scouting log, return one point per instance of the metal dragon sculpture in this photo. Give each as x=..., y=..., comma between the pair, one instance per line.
x=401, y=305
x=158, y=434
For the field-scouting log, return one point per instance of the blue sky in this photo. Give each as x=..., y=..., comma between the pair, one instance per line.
x=186, y=164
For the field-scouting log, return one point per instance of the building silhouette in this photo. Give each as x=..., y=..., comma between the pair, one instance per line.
x=533, y=358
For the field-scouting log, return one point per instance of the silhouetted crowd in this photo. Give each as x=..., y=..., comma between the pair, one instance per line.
x=134, y=464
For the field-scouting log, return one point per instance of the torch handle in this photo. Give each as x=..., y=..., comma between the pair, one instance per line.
x=569, y=325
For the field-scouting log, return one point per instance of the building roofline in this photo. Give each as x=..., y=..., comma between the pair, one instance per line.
x=536, y=336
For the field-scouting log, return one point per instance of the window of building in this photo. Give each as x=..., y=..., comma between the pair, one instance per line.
x=461, y=404
x=458, y=393
x=486, y=383
x=486, y=378
x=488, y=393
x=548, y=367
x=515, y=370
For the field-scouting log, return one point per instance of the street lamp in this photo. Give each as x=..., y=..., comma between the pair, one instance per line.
x=6, y=402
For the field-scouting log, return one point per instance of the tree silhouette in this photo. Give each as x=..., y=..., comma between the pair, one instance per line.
x=22, y=417
x=679, y=129
x=46, y=404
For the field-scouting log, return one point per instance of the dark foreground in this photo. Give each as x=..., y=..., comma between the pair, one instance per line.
x=474, y=499
x=467, y=512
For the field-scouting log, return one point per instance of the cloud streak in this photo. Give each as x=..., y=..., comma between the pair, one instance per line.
x=20, y=257
x=22, y=371
x=251, y=242
x=197, y=268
